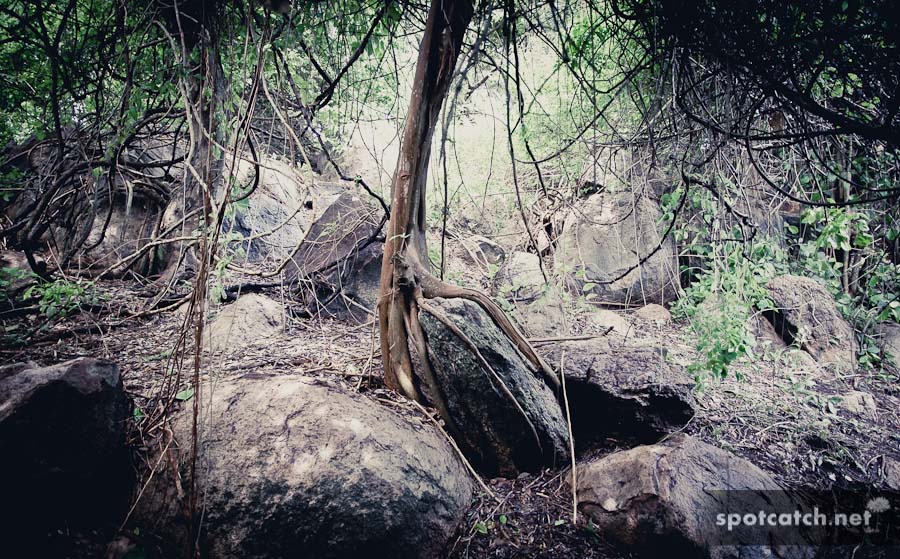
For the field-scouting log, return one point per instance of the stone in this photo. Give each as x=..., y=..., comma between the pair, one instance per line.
x=284, y=204
x=337, y=266
x=859, y=403
x=892, y=473
x=806, y=315
x=483, y=251
x=662, y=500
x=65, y=465
x=543, y=317
x=657, y=314
x=602, y=320
x=346, y=226
x=521, y=277
x=355, y=295
x=606, y=237
x=628, y=394
x=289, y=466
x=492, y=431
x=890, y=342
x=252, y=317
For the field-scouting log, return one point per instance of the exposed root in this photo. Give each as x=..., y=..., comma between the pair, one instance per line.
x=400, y=361
x=433, y=287
x=417, y=336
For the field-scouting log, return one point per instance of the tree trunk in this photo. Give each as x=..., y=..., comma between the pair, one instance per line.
x=196, y=25
x=406, y=278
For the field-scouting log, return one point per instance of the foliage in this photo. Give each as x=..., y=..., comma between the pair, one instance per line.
x=62, y=297
x=723, y=299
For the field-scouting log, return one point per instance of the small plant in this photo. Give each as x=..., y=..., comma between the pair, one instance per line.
x=11, y=276
x=62, y=297
x=722, y=300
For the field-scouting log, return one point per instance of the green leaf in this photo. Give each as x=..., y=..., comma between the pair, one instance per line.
x=481, y=527
x=185, y=395
x=503, y=519
x=559, y=522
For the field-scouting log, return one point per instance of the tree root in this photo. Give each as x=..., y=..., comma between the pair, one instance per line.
x=433, y=287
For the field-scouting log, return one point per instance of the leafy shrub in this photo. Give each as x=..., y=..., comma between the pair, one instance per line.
x=723, y=298
x=61, y=298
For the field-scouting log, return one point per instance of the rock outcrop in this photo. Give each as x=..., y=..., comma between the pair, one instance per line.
x=293, y=467
x=498, y=436
x=890, y=343
x=664, y=500
x=340, y=258
x=251, y=318
x=628, y=394
x=806, y=315
x=64, y=462
x=542, y=317
x=482, y=251
x=521, y=277
x=276, y=214
x=607, y=236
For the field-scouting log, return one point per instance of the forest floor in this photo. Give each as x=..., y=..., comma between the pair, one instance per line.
x=792, y=421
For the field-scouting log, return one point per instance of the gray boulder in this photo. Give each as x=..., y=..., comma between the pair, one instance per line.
x=664, y=500
x=482, y=251
x=629, y=394
x=607, y=236
x=64, y=462
x=337, y=265
x=292, y=467
x=343, y=228
x=890, y=342
x=544, y=316
x=252, y=317
x=273, y=218
x=492, y=431
x=521, y=278
x=806, y=315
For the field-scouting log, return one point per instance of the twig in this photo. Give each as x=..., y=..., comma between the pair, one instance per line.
x=462, y=456
x=562, y=379
x=570, y=338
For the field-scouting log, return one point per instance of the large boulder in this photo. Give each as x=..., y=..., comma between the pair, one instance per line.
x=629, y=394
x=805, y=314
x=275, y=215
x=354, y=293
x=480, y=250
x=607, y=236
x=340, y=257
x=890, y=342
x=251, y=318
x=521, y=278
x=494, y=432
x=664, y=500
x=290, y=466
x=64, y=462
